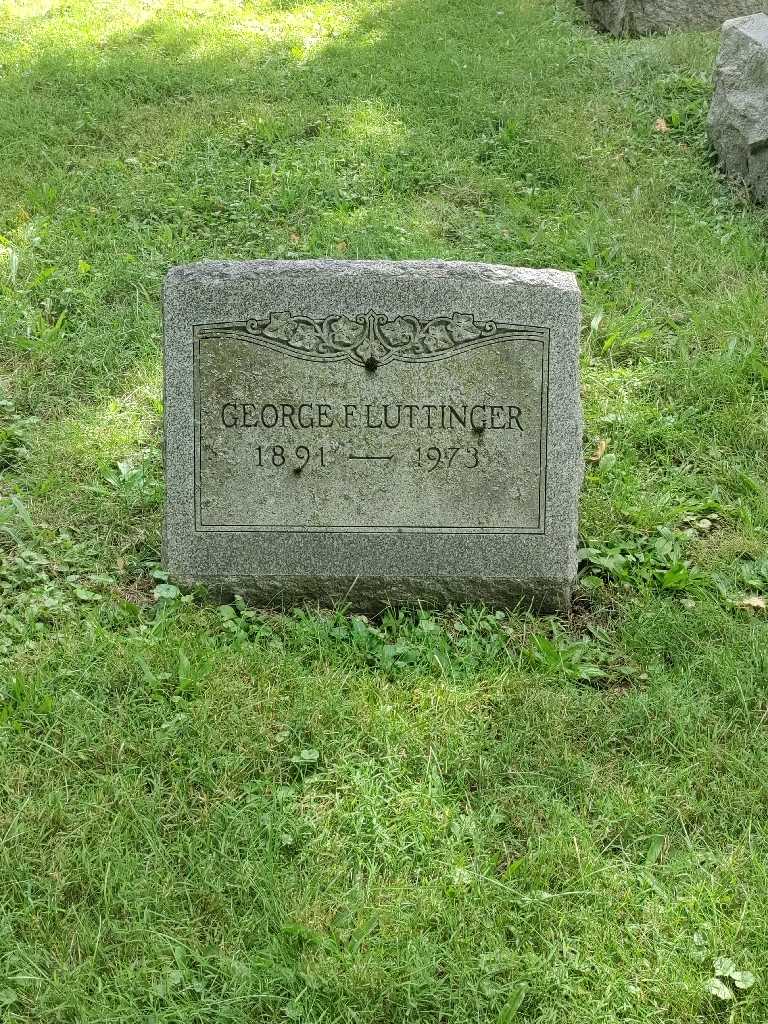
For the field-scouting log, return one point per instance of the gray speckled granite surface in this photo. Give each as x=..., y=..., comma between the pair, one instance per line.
x=372, y=433
x=738, y=115
x=644, y=17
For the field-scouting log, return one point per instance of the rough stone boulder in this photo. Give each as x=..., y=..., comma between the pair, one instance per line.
x=738, y=116
x=643, y=17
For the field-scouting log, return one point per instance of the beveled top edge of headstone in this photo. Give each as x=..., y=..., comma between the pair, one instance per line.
x=211, y=271
x=754, y=25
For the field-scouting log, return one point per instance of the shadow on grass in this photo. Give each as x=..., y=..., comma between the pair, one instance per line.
x=181, y=139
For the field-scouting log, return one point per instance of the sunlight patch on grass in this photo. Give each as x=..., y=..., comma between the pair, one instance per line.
x=98, y=435
x=373, y=120
x=306, y=26
x=22, y=9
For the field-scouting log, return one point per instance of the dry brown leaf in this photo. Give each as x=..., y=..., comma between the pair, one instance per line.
x=600, y=449
x=752, y=602
x=661, y=125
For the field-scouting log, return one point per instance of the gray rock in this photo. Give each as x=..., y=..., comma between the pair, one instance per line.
x=372, y=433
x=644, y=17
x=738, y=116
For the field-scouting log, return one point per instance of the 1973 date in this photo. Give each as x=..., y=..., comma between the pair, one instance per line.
x=433, y=458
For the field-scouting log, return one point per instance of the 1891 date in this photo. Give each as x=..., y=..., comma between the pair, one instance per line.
x=277, y=456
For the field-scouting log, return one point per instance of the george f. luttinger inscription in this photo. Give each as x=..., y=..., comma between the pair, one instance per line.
x=371, y=446
x=372, y=433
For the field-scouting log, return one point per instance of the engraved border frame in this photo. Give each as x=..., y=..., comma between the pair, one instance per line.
x=538, y=530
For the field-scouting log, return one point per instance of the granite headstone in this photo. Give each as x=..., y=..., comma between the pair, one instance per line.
x=738, y=116
x=644, y=17
x=372, y=433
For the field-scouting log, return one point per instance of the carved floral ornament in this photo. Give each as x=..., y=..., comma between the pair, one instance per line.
x=371, y=339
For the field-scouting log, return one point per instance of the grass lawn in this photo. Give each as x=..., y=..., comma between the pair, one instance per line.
x=213, y=814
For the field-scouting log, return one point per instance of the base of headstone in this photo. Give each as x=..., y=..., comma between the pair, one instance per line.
x=647, y=17
x=369, y=434
x=372, y=594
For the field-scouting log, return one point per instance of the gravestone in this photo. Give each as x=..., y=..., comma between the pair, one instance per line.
x=372, y=433
x=644, y=17
x=738, y=116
